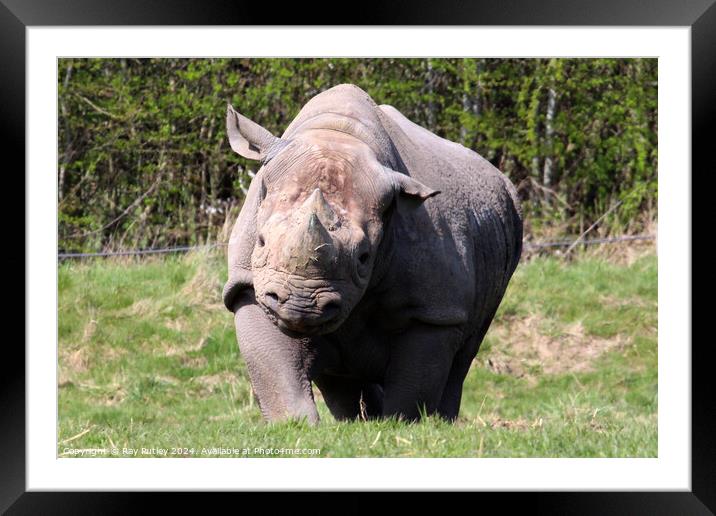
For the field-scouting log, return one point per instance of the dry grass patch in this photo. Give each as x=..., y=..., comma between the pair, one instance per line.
x=623, y=253
x=72, y=363
x=633, y=301
x=524, y=348
x=512, y=424
x=114, y=398
x=76, y=361
x=212, y=382
x=140, y=308
x=195, y=362
x=89, y=330
x=179, y=349
x=176, y=324
x=203, y=288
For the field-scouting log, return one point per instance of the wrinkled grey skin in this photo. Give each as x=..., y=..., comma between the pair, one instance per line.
x=369, y=259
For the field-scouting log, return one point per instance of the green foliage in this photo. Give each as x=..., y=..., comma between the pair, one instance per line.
x=144, y=161
x=148, y=358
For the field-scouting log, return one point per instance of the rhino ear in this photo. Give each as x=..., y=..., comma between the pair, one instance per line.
x=249, y=139
x=411, y=189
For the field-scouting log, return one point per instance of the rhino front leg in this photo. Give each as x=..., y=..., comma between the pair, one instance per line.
x=420, y=363
x=350, y=398
x=277, y=364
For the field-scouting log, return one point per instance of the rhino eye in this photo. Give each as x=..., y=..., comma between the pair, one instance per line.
x=260, y=240
x=262, y=190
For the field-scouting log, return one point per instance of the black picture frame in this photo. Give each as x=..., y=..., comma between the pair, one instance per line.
x=16, y=15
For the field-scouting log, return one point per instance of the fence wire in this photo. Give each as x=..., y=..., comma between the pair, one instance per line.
x=566, y=243
x=527, y=246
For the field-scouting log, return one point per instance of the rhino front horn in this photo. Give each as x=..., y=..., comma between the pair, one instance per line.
x=317, y=205
x=316, y=234
x=309, y=244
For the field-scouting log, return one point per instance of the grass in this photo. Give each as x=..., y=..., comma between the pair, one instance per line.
x=147, y=358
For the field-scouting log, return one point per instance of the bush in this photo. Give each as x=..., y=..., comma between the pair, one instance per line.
x=144, y=161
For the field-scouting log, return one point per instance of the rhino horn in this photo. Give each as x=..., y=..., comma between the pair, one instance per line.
x=316, y=204
x=310, y=243
x=306, y=242
x=316, y=234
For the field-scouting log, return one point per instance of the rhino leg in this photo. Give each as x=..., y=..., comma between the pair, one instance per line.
x=452, y=394
x=350, y=398
x=277, y=364
x=420, y=364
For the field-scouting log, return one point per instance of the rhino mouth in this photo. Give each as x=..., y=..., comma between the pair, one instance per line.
x=303, y=316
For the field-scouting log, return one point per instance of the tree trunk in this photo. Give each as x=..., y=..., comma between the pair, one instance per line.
x=466, y=109
x=549, y=132
x=431, y=92
x=65, y=155
x=471, y=97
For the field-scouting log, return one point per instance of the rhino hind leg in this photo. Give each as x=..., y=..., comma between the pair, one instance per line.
x=350, y=398
x=452, y=394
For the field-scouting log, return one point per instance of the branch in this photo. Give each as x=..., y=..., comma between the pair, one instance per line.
x=547, y=190
x=126, y=211
x=581, y=237
x=97, y=108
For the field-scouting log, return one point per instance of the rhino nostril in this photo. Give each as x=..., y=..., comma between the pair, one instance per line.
x=331, y=309
x=271, y=300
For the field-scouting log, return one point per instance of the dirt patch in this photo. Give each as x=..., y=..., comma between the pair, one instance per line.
x=74, y=361
x=169, y=350
x=89, y=330
x=114, y=398
x=598, y=427
x=175, y=324
x=509, y=424
x=109, y=353
x=523, y=348
x=633, y=301
x=63, y=379
x=495, y=421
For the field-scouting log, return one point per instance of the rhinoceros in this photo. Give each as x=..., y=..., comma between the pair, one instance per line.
x=369, y=258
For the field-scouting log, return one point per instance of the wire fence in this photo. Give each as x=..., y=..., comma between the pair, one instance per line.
x=527, y=246
x=139, y=252
x=593, y=241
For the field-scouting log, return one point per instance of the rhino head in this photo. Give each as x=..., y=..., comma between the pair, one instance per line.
x=324, y=203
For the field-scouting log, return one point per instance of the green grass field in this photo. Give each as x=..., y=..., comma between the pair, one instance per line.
x=148, y=359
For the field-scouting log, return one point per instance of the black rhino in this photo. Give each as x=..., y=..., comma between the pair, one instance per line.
x=369, y=259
